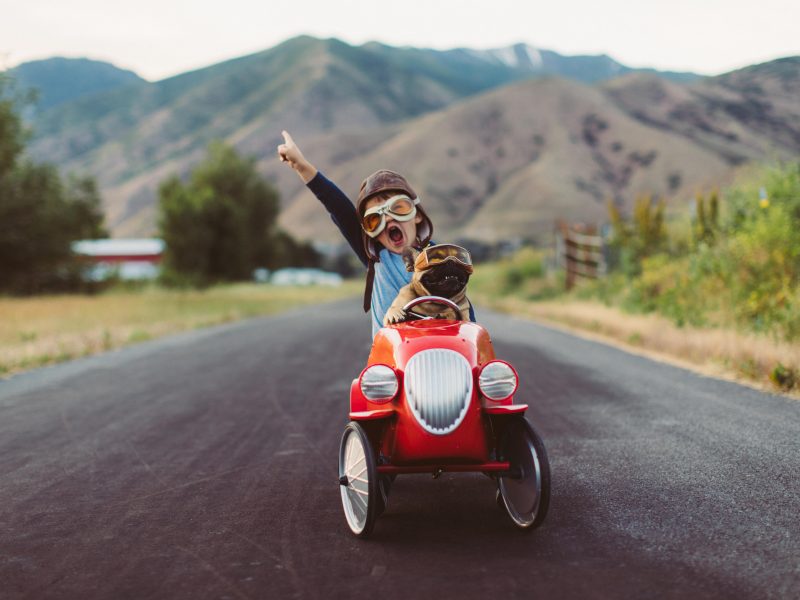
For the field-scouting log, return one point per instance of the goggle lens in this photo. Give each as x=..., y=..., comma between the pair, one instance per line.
x=371, y=222
x=401, y=208
x=440, y=253
x=436, y=255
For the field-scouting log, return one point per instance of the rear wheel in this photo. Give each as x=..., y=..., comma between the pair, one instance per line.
x=358, y=480
x=525, y=494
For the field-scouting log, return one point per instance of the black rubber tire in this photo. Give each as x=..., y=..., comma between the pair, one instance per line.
x=361, y=500
x=523, y=447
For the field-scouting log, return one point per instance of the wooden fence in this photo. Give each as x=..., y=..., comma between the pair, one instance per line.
x=580, y=252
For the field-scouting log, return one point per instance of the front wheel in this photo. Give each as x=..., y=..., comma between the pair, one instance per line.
x=358, y=480
x=525, y=494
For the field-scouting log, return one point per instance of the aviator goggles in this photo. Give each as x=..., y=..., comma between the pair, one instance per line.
x=400, y=208
x=442, y=253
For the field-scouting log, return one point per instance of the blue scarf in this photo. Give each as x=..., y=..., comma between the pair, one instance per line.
x=390, y=276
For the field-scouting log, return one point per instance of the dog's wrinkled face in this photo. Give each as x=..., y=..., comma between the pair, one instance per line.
x=445, y=280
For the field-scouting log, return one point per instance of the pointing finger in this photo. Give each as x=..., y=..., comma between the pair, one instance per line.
x=287, y=138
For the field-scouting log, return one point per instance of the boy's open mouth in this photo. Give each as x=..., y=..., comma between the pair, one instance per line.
x=395, y=234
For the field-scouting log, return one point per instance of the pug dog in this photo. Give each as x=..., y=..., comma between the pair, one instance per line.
x=447, y=279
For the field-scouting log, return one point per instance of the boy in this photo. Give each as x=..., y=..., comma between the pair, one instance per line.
x=386, y=219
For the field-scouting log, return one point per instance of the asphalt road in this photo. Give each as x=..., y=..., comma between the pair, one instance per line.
x=204, y=466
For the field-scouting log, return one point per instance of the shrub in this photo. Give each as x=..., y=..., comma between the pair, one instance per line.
x=736, y=263
x=220, y=225
x=41, y=214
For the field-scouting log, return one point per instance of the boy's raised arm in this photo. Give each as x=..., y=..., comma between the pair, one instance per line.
x=338, y=204
x=288, y=152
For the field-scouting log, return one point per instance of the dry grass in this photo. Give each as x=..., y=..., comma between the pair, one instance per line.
x=728, y=354
x=50, y=329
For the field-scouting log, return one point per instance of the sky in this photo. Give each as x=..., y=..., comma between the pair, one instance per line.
x=160, y=38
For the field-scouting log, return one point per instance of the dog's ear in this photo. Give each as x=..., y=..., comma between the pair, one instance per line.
x=409, y=256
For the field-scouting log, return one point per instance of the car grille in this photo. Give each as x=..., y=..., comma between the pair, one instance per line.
x=438, y=388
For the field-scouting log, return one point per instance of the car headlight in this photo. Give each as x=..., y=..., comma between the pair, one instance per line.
x=379, y=383
x=497, y=380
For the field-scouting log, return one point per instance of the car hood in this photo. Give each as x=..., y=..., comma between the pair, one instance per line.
x=396, y=344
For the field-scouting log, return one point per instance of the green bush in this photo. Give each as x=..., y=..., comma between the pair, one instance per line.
x=784, y=377
x=41, y=214
x=520, y=268
x=634, y=239
x=763, y=258
x=736, y=263
x=522, y=275
x=220, y=224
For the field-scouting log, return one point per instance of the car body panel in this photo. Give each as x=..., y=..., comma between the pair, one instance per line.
x=403, y=440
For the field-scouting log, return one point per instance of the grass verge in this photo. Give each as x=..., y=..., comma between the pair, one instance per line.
x=754, y=360
x=49, y=329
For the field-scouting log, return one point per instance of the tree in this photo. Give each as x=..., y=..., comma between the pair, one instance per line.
x=220, y=224
x=40, y=215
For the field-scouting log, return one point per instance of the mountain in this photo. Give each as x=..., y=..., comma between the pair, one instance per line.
x=744, y=115
x=60, y=80
x=509, y=162
x=489, y=137
x=588, y=69
x=133, y=138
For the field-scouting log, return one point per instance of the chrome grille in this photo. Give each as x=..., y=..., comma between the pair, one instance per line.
x=438, y=388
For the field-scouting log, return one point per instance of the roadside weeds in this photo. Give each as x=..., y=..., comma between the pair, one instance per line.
x=751, y=360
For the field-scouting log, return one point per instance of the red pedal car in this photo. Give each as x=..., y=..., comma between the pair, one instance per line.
x=434, y=398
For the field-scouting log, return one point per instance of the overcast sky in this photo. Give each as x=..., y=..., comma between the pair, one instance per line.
x=159, y=38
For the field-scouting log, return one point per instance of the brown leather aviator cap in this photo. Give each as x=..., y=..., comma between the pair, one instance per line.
x=384, y=181
x=381, y=181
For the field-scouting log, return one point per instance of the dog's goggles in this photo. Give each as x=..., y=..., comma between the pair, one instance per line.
x=442, y=253
x=400, y=208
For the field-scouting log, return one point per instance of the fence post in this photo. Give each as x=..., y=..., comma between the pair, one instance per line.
x=580, y=250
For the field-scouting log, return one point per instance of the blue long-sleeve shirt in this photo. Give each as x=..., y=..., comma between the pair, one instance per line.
x=390, y=271
x=342, y=212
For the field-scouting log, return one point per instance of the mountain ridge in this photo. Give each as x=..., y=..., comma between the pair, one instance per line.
x=512, y=160
x=348, y=105
x=59, y=80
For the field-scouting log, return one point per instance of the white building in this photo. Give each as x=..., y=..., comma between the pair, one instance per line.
x=128, y=259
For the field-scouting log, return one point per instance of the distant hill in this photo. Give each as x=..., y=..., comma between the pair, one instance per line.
x=59, y=80
x=749, y=114
x=489, y=136
x=588, y=69
x=509, y=162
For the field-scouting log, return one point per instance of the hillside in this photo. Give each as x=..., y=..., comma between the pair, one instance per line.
x=743, y=115
x=60, y=80
x=487, y=135
x=509, y=162
x=133, y=138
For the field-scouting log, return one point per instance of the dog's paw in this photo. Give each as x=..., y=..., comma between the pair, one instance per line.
x=394, y=315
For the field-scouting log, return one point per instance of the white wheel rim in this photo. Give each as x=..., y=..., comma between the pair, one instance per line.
x=522, y=496
x=355, y=495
